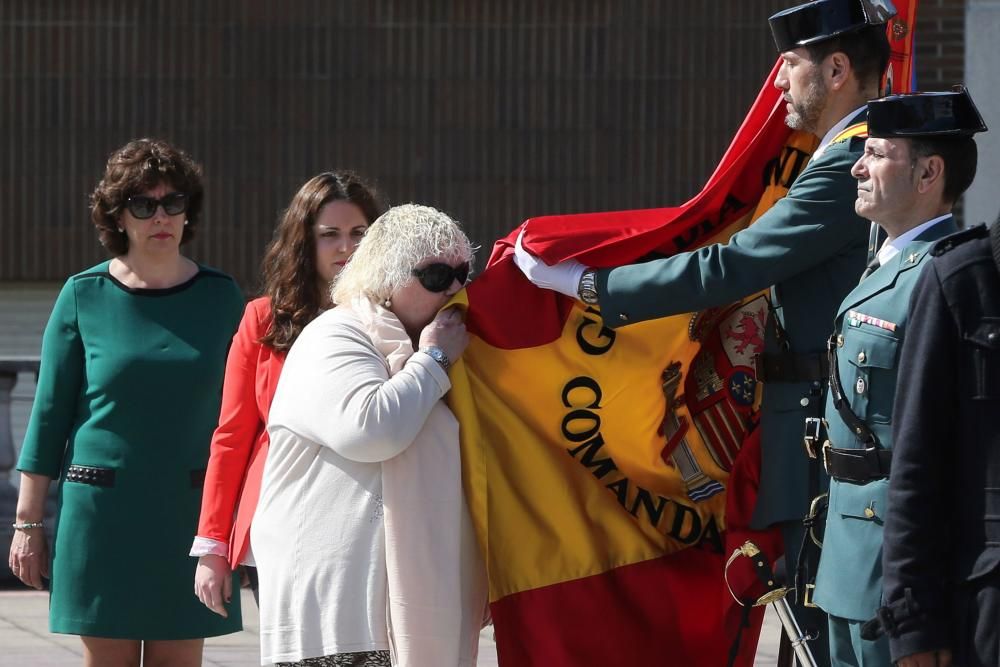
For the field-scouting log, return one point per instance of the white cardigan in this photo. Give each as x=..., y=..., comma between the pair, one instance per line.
x=361, y=503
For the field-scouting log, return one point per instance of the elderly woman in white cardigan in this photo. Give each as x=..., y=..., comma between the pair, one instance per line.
x=362, y=537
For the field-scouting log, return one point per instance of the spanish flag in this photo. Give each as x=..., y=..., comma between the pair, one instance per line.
x=599, y=463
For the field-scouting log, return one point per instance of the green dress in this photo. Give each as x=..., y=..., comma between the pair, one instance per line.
x=128, y=396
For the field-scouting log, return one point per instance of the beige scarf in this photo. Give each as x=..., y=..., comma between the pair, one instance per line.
x=436, y=577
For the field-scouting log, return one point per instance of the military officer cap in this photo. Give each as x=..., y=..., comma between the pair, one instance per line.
x=947, y=114
x=823, y=19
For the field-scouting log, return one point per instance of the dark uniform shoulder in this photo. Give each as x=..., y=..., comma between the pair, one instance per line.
x=957, y=239
x=955, y=254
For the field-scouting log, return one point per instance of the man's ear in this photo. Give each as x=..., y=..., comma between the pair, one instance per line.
x=929, y=171
x=836, y=70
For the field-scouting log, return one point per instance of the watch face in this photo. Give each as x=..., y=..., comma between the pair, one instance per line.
x=438, y=355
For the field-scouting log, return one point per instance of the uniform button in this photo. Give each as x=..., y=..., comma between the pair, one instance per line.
x=992, y=337
x=623, y=317
x=840, y=340
x=804, y=402
x=859, y=386
x=861, y=357
x=869, y=513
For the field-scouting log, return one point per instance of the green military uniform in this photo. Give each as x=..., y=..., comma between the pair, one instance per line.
x=870, y=327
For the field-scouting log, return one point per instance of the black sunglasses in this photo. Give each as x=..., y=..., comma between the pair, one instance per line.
x=142, y=207
x=439, y=277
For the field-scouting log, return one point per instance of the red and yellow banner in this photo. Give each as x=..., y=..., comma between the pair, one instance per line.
x=597, y=461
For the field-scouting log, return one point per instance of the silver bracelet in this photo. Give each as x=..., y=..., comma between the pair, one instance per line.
x=27, y=525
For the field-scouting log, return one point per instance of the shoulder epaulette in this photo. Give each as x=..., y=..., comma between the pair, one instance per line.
x=958, y=238
x=859, y=130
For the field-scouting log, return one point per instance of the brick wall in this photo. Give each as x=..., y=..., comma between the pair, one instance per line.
x=493, y=110
x=941, y=59
x=940, y=51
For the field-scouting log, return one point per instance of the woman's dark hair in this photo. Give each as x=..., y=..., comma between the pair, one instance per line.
x=289, y=266
x=136, y=167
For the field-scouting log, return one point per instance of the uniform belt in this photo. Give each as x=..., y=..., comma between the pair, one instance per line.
x=791, y=367
x=857, y=466
x=98, y=476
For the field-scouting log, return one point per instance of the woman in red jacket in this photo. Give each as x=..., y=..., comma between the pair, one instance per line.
x=314, y=239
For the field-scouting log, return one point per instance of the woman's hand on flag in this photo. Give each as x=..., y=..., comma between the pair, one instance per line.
x=563, y=277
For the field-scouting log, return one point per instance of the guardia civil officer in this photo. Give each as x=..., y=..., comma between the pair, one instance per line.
x=809, y=247
x=942, y=531
x=919, y=158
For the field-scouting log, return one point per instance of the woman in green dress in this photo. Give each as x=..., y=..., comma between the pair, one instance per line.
x=127, y=398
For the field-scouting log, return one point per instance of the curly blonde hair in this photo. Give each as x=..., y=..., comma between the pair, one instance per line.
x=401, y=238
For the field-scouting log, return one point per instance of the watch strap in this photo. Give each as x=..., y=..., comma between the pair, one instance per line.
x=587, y=290
x=438, y=355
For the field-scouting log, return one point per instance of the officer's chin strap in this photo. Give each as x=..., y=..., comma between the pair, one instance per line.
x=775, y=595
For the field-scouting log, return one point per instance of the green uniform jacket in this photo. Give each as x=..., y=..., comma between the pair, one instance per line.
x=849, y=580
x=809, y=248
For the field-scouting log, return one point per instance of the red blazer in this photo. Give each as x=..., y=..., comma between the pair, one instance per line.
x=239, y=444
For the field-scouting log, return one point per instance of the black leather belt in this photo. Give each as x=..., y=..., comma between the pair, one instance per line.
x=791, y=367
x=97, y=476
x=857, y=466
x=91, y=475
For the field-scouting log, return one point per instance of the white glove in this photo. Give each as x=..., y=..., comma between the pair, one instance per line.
x=563, y=277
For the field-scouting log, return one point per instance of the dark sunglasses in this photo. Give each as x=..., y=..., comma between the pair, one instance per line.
x=439, y=277
x=142, y=207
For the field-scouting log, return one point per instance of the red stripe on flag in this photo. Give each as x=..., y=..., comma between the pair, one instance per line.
x=719, y=436
x=737, y=422
x=638, y=614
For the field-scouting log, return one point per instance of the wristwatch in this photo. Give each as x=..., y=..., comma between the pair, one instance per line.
x=438, y=355
x=588, y=287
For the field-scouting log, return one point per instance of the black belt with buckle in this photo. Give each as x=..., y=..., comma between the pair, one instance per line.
x=97, y=476
x=857, y=466
x=791, y=367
